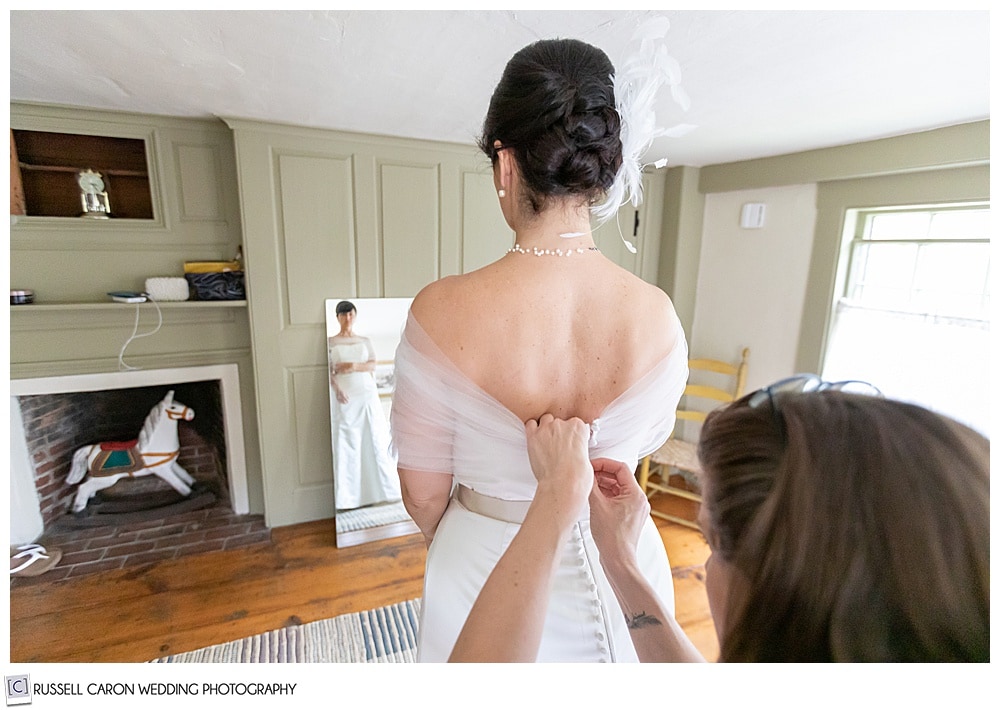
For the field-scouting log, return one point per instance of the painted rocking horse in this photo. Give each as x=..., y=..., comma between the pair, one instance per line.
x=101, y=465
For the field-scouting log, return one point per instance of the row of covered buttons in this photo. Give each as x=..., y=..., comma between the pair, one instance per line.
x=590, y=583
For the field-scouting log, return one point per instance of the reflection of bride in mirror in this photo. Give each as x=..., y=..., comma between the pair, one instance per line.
x=364, y=473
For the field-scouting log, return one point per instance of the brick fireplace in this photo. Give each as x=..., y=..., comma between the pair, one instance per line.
x=57, y=415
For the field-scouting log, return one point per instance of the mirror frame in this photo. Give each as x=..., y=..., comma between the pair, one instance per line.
x=385, y=336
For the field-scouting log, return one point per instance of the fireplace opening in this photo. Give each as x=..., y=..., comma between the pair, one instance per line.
x=57, y=424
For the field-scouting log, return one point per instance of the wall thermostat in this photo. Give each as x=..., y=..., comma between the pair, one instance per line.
x=752, y=216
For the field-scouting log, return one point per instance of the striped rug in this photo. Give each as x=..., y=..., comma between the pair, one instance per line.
x=371, y=517
x=384, y=635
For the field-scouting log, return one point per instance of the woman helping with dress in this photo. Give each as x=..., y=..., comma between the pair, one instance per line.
x=553, y=326
x=843, y=527
x=364, y=472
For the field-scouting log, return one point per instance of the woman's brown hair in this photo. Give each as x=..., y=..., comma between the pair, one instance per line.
x=858, y=528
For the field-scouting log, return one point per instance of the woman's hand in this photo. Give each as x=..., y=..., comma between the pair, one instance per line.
x=557, y=450
x=342, y=398
x=342, y=367
x=618, y=510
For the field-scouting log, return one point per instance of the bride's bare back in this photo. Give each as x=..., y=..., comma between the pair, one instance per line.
x=563, y=335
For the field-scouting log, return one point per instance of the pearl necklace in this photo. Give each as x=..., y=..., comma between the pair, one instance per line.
x=517, y=248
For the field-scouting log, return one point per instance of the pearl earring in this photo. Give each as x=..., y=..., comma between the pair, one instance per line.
x=501, y=193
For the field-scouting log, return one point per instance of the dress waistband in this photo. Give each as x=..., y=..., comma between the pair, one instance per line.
x=509, y=511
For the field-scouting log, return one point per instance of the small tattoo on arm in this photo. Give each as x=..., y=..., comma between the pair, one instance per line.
x=642, y=619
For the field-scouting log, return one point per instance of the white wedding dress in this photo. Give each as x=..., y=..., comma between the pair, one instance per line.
x=443, y=422
x=364, y=471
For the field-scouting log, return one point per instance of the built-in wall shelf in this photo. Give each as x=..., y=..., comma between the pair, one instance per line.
x=48, y=165
x=111, y=305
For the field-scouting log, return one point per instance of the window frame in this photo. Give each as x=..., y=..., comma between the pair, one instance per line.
x=858, y=226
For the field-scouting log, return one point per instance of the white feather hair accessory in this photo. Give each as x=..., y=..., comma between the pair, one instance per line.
x=637, y=80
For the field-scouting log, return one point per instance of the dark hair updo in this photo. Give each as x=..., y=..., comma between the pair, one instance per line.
x=555, y=109
x=345, y=307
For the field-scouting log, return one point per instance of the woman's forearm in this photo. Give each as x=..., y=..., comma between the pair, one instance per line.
x=506, y=622
x=619, y=511
x=656, y=635
x=345, y=367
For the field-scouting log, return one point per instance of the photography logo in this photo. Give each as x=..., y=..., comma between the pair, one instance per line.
x=18, y=689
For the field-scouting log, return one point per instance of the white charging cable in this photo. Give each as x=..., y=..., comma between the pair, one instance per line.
x=136, y=334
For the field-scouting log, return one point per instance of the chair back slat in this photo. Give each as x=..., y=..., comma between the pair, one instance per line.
x=708, y=392
x=723, y=368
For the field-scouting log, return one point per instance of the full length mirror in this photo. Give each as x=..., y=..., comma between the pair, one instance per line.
x=362, y=335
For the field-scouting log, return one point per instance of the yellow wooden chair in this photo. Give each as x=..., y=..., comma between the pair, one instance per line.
x=680, y=457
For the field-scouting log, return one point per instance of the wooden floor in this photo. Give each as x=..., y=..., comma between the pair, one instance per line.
x=141, y=613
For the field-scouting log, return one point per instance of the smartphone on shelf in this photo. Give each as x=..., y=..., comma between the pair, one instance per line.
x=127, y=296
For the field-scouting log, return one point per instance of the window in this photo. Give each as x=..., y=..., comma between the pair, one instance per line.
x=912, y=313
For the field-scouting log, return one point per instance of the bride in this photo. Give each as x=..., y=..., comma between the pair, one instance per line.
x=552, y=327
x=363, y=470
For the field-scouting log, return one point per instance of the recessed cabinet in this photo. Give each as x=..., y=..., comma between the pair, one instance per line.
x=50, y=162
x=171, y=190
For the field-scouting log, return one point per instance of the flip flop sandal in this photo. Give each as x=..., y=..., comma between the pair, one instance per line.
x=37, y=560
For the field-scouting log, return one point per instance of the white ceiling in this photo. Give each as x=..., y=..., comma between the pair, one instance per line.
x=760, y=83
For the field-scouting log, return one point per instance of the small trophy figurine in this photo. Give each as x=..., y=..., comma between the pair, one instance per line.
x=92, y=195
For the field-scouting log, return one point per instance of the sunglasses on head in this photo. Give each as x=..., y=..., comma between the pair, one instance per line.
x=805, y=383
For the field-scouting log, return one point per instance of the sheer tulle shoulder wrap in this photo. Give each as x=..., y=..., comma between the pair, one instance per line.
x=443, y=422
x=433, y=400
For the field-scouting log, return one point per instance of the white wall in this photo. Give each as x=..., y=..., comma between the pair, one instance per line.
x=751, y=282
